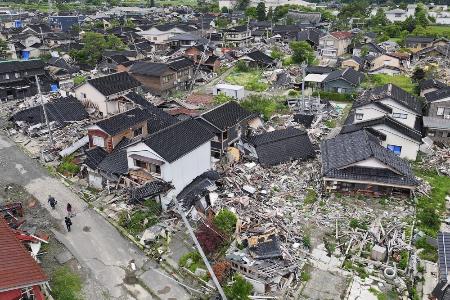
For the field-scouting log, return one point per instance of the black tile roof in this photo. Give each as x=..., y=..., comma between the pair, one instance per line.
x=114, y=83
x=375, y=48
x=389, y=91
x=62, y=111
x=419, y=39
x=9, y=66
x=147, y=190
x=180, y=63
x=197, y=188
x=226, y=115
x=123, y=121
x=388, y=121
x=351, y=76
x=177, y=140
x=267, y=249
x=318, y=70
x=149, y=68
x=115, y=163
x=305, y=120
x=260, y=57
x=438, y=94
x=281, y=146
x=94, y=157
x=346, y=149
x=431, y=83
x=311, y=35
x=443, y=241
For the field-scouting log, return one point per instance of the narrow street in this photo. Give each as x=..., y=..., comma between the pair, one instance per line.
x=96, y=244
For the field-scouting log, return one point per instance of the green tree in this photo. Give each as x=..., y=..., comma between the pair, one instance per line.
x=114, y=43
x=239, y=290
x=409, y=24
x=261, y=11
x=225, y=220
x=379, y=19
x=242, y=4
x=224, y=10
x=251, y=12
x=302, y=51
x=421, y=15
x=3, y=48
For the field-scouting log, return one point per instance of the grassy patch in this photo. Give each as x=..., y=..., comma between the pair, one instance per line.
x=66, y=285
x=196, y=259
x=429, y=252
x=330, y=123
x=305, y=276
x=438, y=31
x=77, y=80
x=430, y=210
x=311, y=196
x=251, y=80
x=355, y=223
x=403, y=263
x=68, y=166
x=264, y=105
x=401, y=81
x=333, y=96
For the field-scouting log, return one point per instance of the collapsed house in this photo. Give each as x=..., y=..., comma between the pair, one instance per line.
x=60, y=112
x=279, y=146
x=228, y=122
x=20, y=275
x=441, y=291
x=357, y=162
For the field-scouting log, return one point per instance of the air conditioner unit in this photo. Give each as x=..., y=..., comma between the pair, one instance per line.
x=446, y=116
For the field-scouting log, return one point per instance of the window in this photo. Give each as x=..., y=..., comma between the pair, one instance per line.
x=98, y=141
x=17, y=75
x=440, y=111
x=140, y=164
x=155, y=169
x=396, y=149
x=431, y=133
x=137, y=131
x=400, y=116
x=167, y=78
x=155, y=38
x=6, y=76
x=359, y=116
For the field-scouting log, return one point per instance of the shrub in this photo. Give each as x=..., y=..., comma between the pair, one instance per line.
x=79, y=80
x=225, y=220
x=239, y=290
x=355, y=223
x=222, y=98
x=311, y=196
x=403, y=263
x=263, y=105
x=305, y=276
x=241, y=66
x=196, y=258
x=306, y=241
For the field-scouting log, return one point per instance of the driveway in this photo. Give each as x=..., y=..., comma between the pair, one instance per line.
x=95, y=243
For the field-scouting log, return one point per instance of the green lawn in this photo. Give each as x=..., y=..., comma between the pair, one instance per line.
x=439, y=31
x=250, y=80
x=401, y=81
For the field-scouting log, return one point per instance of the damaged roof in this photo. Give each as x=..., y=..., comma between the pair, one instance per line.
x=94, y=157
x=431, y=83
x=389, y=91
x=17, y=268
x=281, y=146
x=438, y=95
x=114, y=83
x=179, y=139
x=226, y=115
x=20, y=65
x=351, y=76
x=149, y=189
x=339, y=153
x=62, y=111
x=123, y=121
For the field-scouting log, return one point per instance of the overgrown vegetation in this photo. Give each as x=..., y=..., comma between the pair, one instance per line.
x=241, y=289
x=355, y=223
x=330, y=123
x=222, y=98
x=311, y=196
x=77, y=80
x=430, y=209
x=68, y=166
x=267, y=106
x=305, y=276
x=192, y=261
x=247, y=77
x=225, y=220
x=390, y=295
x=141, y=219
x=402, y=81
x=428, y=252
x=333, y=96
x=66, y=285
x=403, y=263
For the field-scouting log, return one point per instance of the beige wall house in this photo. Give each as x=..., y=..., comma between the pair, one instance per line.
x=335, y=43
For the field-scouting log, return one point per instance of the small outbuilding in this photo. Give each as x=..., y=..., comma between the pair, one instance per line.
x=234, y=91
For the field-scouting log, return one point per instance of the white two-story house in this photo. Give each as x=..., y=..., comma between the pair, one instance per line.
x=393, y=115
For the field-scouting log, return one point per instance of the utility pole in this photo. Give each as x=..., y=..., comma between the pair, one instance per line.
x=303, y=66
x=200, y=250
x=45, y=112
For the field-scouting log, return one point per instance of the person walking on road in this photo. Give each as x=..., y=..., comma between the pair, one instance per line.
x=52, y=201
x=69, y=210
x=68, y=223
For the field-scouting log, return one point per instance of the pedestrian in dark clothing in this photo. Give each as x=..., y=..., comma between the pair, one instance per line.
x=52, y=201
x=69, y=210
x=68, y=223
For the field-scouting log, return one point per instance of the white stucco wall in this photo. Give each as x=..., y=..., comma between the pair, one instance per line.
x=398, y=108
x=369, y=112
x=93, y=96
x=180, y=172
x=409, y=146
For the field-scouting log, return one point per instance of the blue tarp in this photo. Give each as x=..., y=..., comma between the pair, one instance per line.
x=54, y=87
x=25, y=55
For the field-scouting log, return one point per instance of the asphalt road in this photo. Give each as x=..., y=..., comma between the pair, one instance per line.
x=99, y=248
